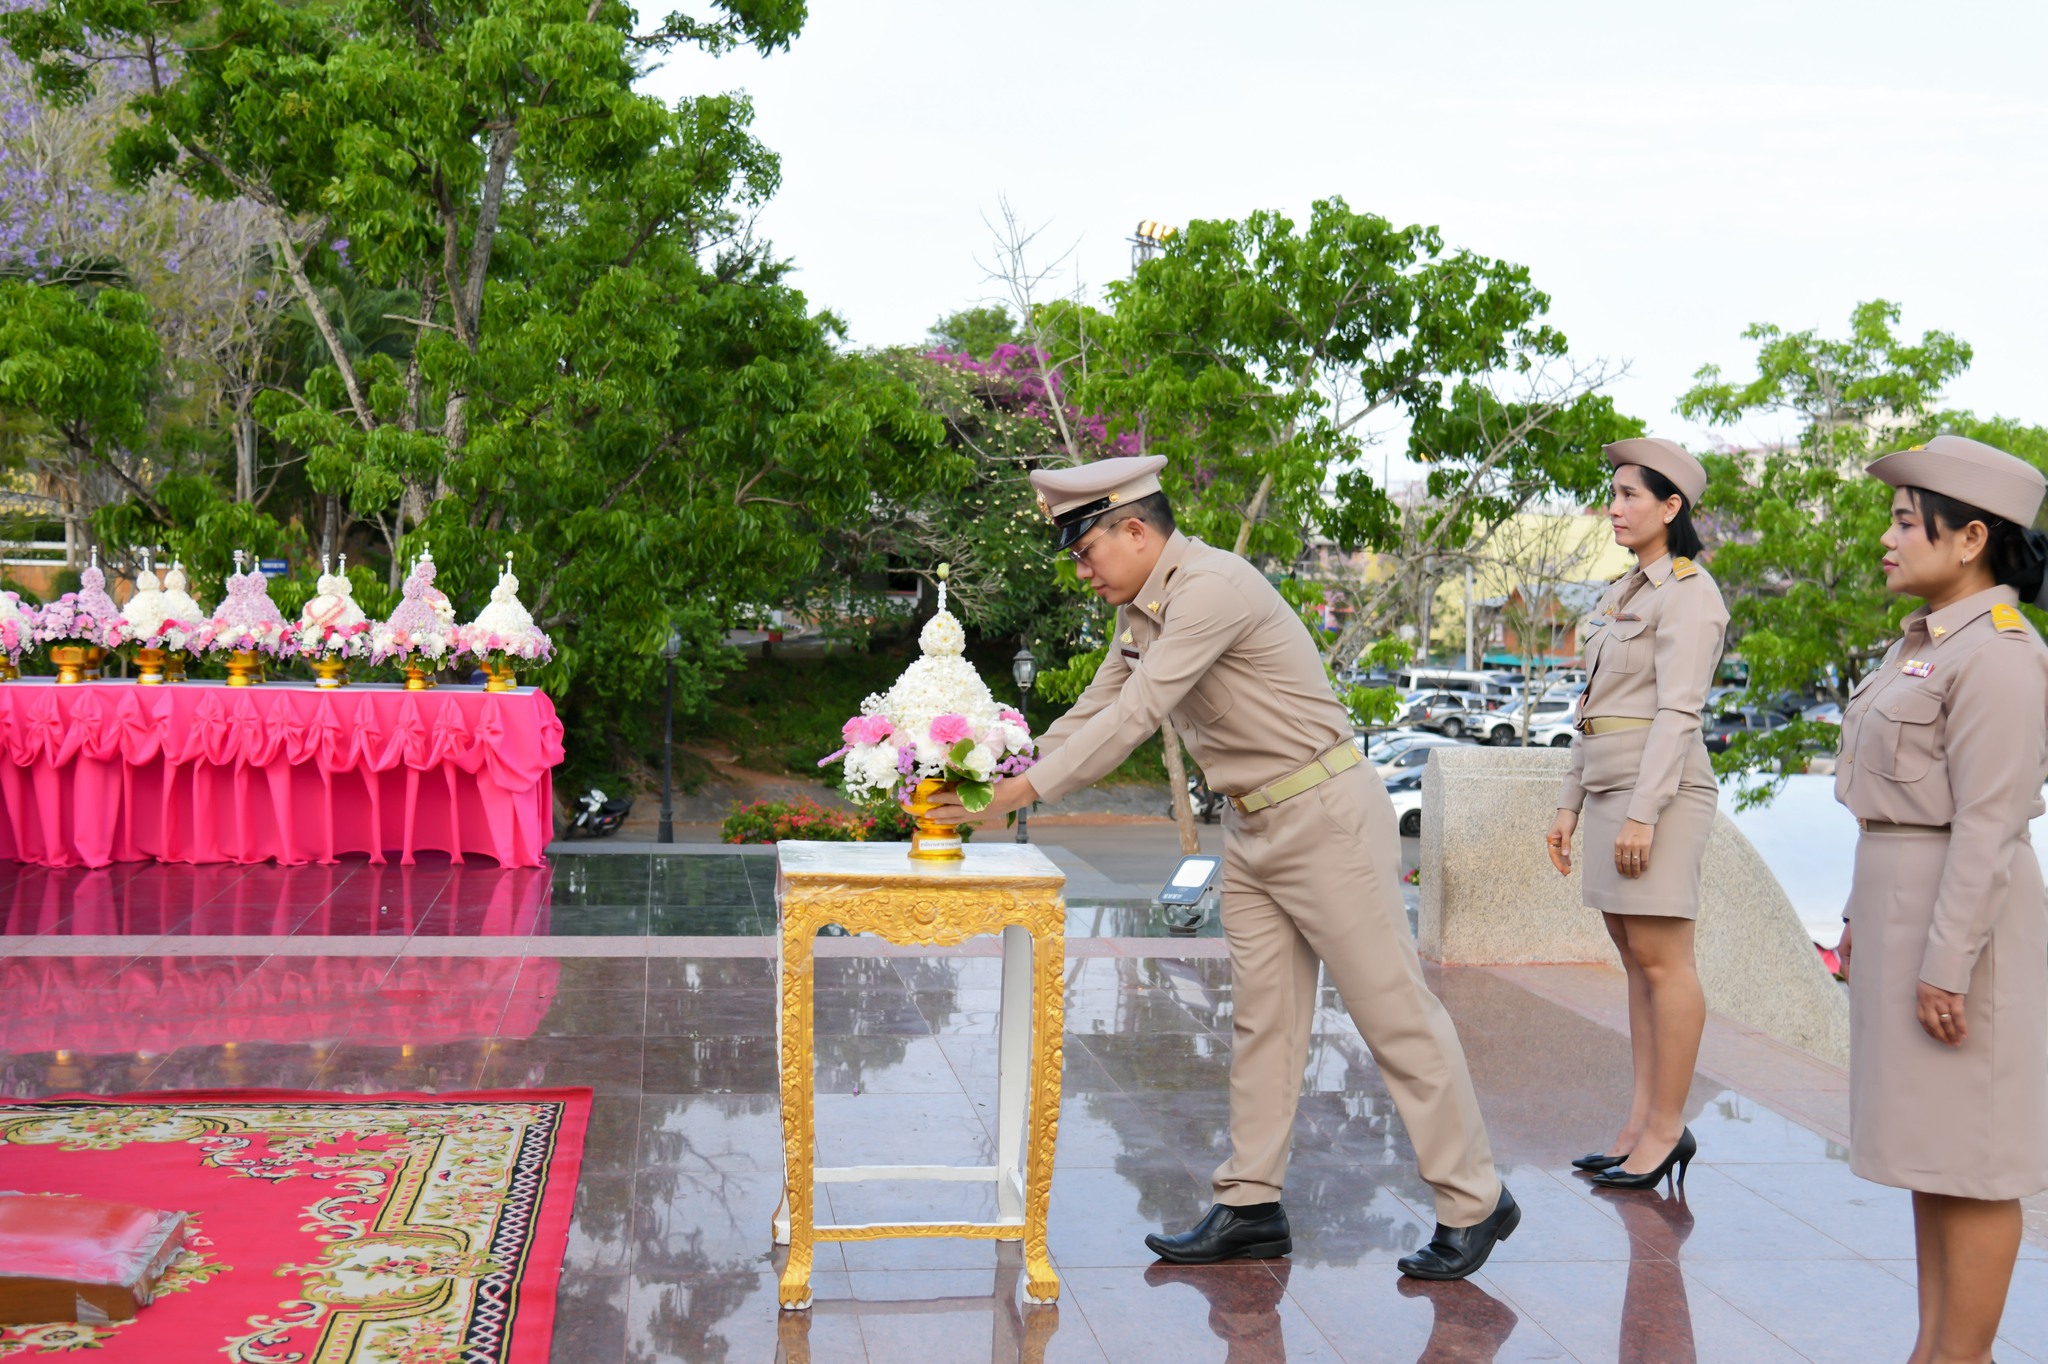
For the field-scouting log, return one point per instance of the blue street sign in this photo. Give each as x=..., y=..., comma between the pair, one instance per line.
x=273, y=568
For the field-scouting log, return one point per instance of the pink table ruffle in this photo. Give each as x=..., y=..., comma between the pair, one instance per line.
x=108, y=772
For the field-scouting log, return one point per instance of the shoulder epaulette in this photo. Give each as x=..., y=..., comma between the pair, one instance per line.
x=2007, y=619
x=1683, y=568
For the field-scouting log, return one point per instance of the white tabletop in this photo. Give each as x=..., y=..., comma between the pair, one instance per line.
x=984, y=861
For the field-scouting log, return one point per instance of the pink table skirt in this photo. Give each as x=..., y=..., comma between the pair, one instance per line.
x=108, y=772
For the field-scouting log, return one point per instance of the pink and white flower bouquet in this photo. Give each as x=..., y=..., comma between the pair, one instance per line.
x=422, y=629
x=503, y=632
x=87, y=616
x=17, y=629
x=247, y=620
x=332, y=625
x=939, y=722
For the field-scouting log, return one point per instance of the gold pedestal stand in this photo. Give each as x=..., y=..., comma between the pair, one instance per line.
x=416, y=678
x=70, y=661
x=1007, y=888
x=149, y=665
x=500, y=677
x=245, y=669
x=932, y=841
x=330, y=672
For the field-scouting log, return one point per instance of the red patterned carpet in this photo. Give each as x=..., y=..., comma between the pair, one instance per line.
x=330, y=1228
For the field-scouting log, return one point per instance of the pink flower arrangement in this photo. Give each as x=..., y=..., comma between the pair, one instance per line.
x=498, y=649
x=67, y=620
x=16, y=638
x=351, y=640
x=950, y=729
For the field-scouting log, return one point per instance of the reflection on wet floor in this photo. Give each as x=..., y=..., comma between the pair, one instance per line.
x=1777, y=1253
x=577, y=895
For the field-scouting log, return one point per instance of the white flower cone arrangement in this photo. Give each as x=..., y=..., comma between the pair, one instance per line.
x=17, y=635
x=504, y=632
x=938, y=726
x=178, y=601
x=149, y=627
x=332, y=628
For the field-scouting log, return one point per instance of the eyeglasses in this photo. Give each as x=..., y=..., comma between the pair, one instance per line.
x=1079, y=553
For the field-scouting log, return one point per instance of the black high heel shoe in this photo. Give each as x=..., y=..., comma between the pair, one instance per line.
x=1597, y=1162
x=1681, y=1156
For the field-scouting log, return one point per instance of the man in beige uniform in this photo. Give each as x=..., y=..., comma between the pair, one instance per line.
x=1311, y=857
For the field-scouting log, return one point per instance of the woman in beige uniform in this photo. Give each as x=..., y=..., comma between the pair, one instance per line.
x=1641, y=775
x=1944, y=749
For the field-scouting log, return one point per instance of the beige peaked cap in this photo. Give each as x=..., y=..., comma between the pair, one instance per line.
x=1667, y=457
x=1076, y=497
x=1978, y=475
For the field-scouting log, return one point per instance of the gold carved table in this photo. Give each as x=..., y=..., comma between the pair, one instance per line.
x=1007, y=888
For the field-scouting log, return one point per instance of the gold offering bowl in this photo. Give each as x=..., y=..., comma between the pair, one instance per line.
x=330, y=671
x=500, y=675
x=245, y=669
x=150, y=663
x=416, y=678
x=933, y=841
x=70, y=661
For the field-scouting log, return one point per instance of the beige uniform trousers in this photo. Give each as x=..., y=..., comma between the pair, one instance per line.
x=1319, y=877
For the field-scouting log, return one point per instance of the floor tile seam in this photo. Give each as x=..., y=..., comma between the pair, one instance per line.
x=1694, y=1282
x=1524, y=1317
x=1067, y=1297
x=1794, y=1215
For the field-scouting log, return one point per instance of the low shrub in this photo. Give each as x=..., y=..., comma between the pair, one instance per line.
x=769, y=821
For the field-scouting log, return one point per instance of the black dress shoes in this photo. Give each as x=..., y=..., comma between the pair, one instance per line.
x=1455, y=1252
x=1597, y=1161
x=1223, y=1234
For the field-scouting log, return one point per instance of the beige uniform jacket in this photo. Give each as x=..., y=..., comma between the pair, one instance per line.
x=1655, y=642
x=1950, y=731
x=1210, y=645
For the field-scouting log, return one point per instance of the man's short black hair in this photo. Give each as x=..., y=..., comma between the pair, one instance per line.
x=1153, y=509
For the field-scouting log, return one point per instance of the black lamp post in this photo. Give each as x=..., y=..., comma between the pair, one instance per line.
x=1024, y=668
x=670, y=648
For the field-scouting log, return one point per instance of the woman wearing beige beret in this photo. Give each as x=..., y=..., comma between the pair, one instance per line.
x=1944, y=749
x=1640, y=774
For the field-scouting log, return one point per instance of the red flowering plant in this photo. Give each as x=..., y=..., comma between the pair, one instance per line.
x=771, y=821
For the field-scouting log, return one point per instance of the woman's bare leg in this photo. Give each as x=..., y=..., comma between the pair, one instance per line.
x=1663, y=949
x=1642, y=1048
x=1927, y=1259
x=1979, y=1241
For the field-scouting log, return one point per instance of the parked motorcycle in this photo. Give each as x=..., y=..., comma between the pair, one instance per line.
x=598, y=816
x=1208, y=806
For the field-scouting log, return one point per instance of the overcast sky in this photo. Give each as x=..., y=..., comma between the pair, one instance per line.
x=1669, y=172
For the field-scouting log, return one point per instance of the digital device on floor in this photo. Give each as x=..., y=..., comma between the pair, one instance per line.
x=1188, y=889
x=1190, y=880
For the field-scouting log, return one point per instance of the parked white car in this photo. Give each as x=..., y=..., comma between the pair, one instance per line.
x=1558, y=734
x=1408, y=755
x=1504, y=727
x=1406, y=793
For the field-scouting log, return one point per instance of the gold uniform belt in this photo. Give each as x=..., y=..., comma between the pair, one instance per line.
x=1884, y=826
x=1607, y=724
x=1339, y=759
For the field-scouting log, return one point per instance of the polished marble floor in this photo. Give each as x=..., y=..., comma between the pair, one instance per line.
x=1776, y=1253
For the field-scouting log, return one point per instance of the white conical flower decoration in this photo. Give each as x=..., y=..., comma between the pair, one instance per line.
x=916, y=729
x=178, y=602
x=505, y=626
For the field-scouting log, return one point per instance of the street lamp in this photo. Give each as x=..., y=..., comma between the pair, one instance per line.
x=1147, y=241
x=1024, y=668
x=670, y=648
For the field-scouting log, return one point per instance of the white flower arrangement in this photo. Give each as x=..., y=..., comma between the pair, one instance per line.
x=504, y=629
x=331, y=625
x=938, y=722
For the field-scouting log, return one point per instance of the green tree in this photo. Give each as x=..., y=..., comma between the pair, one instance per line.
x=608, y=376
x=77, y=368
x=1254, y=350
x=974, y=331
x=1794, y=527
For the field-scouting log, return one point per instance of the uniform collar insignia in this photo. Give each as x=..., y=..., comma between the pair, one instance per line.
x=1657, y=570
x=1945, y=624
x=1153, y=593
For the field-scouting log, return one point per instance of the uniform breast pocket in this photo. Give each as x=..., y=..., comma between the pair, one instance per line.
x=1207, y=702
x=1902, y=734
x=1626, y=649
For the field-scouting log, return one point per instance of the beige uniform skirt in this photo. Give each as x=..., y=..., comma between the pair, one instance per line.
x=1671, y=886
x=1970, y=1121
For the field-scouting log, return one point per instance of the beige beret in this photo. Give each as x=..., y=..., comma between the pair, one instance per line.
x=1667, y=457
x=1075, y=497
x=1978, y=475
